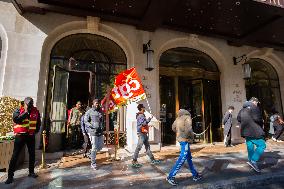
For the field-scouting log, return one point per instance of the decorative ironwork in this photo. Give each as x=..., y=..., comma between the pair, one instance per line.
x=111, y=139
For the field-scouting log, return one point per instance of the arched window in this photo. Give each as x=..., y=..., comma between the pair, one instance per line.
x=264, y=84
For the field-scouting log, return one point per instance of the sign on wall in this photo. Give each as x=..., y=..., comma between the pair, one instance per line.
x=237, y=93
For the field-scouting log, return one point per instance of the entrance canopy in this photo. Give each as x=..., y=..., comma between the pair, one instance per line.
x=241, y=22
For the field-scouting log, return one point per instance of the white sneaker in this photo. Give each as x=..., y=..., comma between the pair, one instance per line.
x=254, y=166
x=274, y=139
x=279, y=140
x=94, y=166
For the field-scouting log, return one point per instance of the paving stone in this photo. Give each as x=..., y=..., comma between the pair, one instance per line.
x=220, y=169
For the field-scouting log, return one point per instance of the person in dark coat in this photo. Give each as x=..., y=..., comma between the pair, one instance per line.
x=93, y=120
x=87, y=142
x=252, y=130
x=278, y=126
x=227, y=122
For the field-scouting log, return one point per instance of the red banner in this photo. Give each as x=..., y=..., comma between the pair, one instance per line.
x=111, y=104
x=127, y=87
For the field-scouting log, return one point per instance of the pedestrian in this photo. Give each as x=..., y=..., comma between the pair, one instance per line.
x=227, y=122
x=74, y=125
x=143, y=138
x=278, y=126
x=271, y=128
x=26, y=124
x=93, y=120
x=252, y=130
x=182, y=126
x=87, y=142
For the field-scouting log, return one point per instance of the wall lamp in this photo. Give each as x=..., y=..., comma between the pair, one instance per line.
x=149, y=52
x=245, y=65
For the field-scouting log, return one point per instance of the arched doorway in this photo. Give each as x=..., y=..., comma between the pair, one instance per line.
x=190, y=78
x=81, y=66
x=264, y=84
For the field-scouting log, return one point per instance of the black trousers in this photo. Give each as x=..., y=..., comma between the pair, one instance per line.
x=87, y=143
x=228, y=138
x=278, y=131
x=75, y=136
x=20, y=141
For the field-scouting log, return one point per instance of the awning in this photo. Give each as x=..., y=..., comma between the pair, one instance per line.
x=256, y=23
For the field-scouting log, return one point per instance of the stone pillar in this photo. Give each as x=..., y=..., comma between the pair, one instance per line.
x=131, y=130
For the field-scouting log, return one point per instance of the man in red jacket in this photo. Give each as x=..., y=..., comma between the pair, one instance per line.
x=26, y=124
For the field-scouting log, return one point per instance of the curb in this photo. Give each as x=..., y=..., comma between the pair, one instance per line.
x=240, y=183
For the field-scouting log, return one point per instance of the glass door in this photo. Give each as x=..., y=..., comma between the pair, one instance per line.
x=212, y=110
x=197, y=112
x=168, y=109
x=191, y=98
x=58, y=113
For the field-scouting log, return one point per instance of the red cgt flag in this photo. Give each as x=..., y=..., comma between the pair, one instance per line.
x=111, y=104
x=127, y=87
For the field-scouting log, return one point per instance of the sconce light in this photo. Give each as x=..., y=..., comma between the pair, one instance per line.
x=246, y=67
x=147, y=49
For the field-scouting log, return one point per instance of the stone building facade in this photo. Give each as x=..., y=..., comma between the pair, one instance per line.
x=27, y=43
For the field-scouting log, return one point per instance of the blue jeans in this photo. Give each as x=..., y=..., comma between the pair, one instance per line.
x=185, y=154
x=143, y=139
x=255, y=153
x=97, y=143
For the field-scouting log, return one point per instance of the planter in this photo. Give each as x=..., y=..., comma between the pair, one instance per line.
x=6, y=151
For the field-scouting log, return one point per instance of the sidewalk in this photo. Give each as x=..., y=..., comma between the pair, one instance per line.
x=221, y=168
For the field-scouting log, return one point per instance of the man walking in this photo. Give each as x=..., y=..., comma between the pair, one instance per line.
x=227, y=122
x=143, y=138
x=251, y=129
x=87, y=142
x=184, y=134
x=74, y=125
x=93, y=120
x=26, y=123
x=278, y=126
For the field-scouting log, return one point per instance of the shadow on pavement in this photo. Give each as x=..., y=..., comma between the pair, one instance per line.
x=269, y=159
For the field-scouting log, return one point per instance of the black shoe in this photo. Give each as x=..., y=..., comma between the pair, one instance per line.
x=33, y=175
x=196, y=177
x=172, y=181
x=9, y=181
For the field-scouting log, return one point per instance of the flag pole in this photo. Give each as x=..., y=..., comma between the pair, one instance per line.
x=116, y=135
x=148, y=105
x=107, y=115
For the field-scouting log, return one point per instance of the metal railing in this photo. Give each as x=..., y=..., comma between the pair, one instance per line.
x=111, y=138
